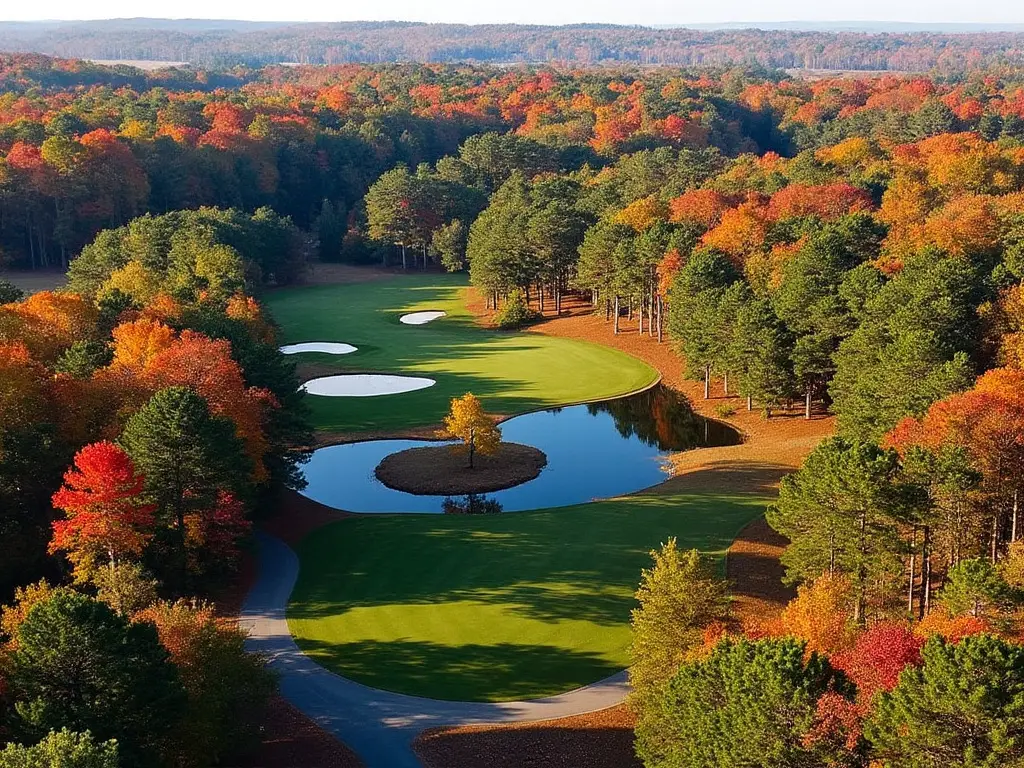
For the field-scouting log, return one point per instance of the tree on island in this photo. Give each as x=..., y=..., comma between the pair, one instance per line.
x=466, y=421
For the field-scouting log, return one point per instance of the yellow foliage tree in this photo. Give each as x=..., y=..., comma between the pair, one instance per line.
x=134, y=280
x=466, y=421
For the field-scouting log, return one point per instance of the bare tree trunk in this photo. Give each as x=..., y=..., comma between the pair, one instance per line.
x=607, y=309
x=404, y=265
x=616, y=314
x=725, y=383
x=707, y=382
x=653, y=301
x=750, y=403
x=660, y=306
x=541, y=298
x=862, y=574
x=926, y=575
x=913, y=559
x=807, y=404
x=1016, y=509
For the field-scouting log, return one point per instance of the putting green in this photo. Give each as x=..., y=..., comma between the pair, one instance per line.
x=509, y=372
x=493, y=607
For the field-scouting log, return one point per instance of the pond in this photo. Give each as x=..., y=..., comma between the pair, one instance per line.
x=594, y=451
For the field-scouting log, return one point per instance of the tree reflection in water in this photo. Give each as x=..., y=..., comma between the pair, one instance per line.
x=472, y=504
x=663, y=417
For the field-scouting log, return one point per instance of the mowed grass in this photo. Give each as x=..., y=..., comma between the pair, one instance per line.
x=496, y=607
x=510, y=372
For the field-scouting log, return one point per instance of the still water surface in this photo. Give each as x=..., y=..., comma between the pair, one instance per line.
x=594, y=451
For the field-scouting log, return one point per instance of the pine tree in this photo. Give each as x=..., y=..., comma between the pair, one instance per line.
x=842, y=513
x=745, y=704
x=76, y=664
x=963, y=706
x=187, y=456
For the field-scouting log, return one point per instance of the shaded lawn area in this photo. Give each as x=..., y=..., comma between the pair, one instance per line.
x=495, y=607
x=509, y=372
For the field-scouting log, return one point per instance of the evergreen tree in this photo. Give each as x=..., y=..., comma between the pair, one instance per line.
x=761, y=350
x=745, y=704
x=679, y=596
x=911, y=348
x=705, y=299
x=842, y=513
x=9, y=292
x=330, y=231
x=964, y=706
x=187, y=456
x=78, y=665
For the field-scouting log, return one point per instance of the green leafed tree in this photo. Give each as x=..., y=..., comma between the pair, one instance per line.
x=746, y=704
x=760, y=349
x=680, y=595
x=704, y=302
x=911, y=347
x=448, y=243
x=78, y=665
x=330, y=231
x=964, y=706
x=187, y=456
x=842, y=513
x=62, y=749
x=9, y=292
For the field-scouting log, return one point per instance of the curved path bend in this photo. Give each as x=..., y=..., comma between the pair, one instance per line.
x=379, y=726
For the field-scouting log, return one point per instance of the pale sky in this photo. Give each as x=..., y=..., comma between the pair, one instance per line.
x=527, y=11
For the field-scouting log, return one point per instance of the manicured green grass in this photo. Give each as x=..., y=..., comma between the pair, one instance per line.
x=509, y=372
x=494, y=607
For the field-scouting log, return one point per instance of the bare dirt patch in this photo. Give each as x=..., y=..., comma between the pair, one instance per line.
x=597, y=740
x=441, y=470
x=291, y=739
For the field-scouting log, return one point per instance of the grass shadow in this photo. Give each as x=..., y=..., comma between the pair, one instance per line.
x=503, y=672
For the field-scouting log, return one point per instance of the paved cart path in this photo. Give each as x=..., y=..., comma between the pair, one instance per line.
x=378, y=725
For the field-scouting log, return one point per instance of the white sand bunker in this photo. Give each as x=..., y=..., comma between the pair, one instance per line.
x=327, y=347
x=420, y=318
x=365, y=385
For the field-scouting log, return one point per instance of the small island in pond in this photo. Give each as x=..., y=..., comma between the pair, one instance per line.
x=444, y=470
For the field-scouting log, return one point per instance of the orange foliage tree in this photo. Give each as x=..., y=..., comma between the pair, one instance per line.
x=820, y=614
x=205, y=365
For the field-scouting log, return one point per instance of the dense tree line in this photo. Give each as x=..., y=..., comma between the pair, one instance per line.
x=253, y=43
